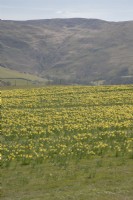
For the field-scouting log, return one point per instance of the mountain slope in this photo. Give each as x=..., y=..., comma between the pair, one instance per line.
x=12, y=77
x=71, y=50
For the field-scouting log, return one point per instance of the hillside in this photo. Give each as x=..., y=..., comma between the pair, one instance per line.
x=88, y=51
x=9, y=77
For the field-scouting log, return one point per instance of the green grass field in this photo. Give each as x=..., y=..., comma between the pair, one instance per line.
x=67, y=143
x=14, y=78
x=98, y=179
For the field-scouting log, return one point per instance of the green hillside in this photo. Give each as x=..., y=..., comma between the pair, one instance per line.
x=12, y=77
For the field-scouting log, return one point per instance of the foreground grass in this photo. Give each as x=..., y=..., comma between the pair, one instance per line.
x=97, y=179
x=67, y=143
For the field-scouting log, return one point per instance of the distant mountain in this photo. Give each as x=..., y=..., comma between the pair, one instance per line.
x=77, y=50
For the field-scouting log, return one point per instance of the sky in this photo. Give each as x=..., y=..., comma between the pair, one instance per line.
x=110, y=10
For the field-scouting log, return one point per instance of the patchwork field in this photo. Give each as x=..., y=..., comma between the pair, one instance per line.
x=67, y=142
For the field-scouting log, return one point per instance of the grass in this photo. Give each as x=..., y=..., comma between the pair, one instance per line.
x=97, y=179
x=15, y=78
x=67, y=143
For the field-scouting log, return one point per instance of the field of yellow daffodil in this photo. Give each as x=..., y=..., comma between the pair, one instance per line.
x=60, y=123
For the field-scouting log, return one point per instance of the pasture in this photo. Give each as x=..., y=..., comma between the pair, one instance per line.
x=67, y=142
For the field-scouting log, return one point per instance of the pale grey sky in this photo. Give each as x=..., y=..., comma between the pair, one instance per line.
x=111, y=10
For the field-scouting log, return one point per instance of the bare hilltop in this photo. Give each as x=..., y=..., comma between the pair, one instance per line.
x=76, y=50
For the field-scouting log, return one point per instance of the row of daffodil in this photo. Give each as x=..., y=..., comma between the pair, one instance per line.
x=66, y=122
